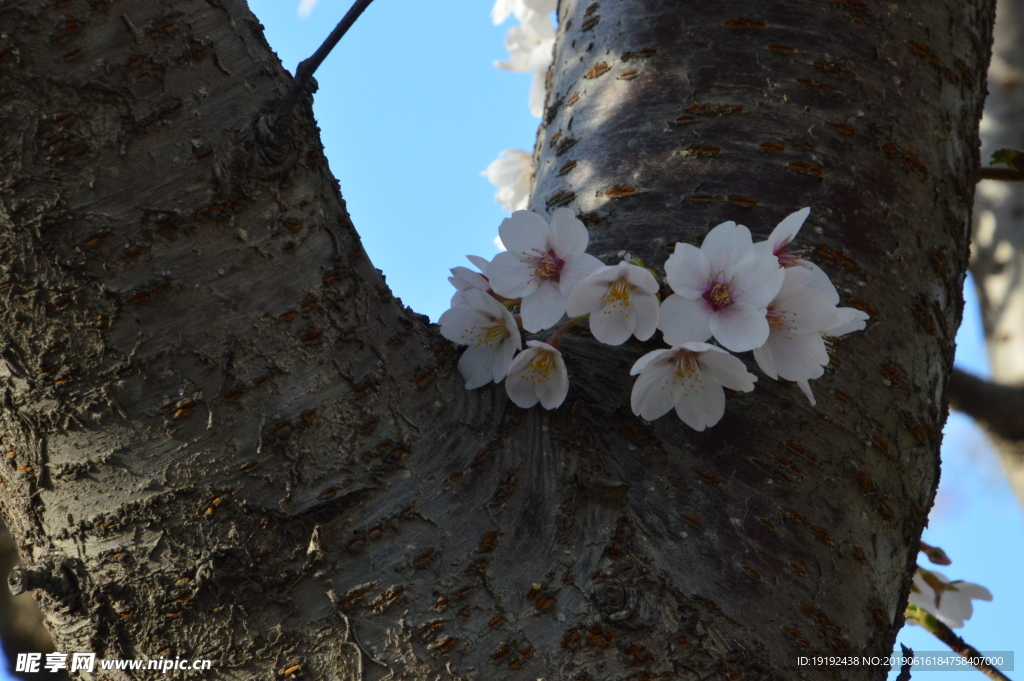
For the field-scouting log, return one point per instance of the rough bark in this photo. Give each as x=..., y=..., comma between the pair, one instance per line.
x=997, y=251
x=226, y=439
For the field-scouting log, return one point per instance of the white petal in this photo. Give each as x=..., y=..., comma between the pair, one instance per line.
x=543, y=308
x=652, y=397
x=756, y=279
x=728, y=370
x=525, y=233
x=587, y=296
x=458, y=324
x=477, y=366
x=806, y=388
x=799, y=358
x=568, y=234
x=646, y=309
x=464, y=278
x=820, y=280
x=509, y=276
x=688, y=271
x=847, y=320
x=766, y=360
x=480, y=263
x=802, y=308
x=518, y=382
x=502, y=361
x=727, y=244
x=501, y=10
x=644, y=361
x=739, y=327
x=640, y=277
x=613, y=325
x=690, y=412
x=787, y=230
x=684, y=321
x=577, y=268
x=553, y=391
x=712, y=403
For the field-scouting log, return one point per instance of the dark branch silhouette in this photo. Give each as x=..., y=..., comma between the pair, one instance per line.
x=1000, y=408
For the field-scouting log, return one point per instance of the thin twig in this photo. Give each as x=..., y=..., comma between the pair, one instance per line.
x=957, y=644
x=307, y=67
x=1004, y=174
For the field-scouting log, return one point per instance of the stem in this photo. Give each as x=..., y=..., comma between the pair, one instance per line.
x=945, y=634
x=556, y=338
x=307, y=66
x=1004, y=174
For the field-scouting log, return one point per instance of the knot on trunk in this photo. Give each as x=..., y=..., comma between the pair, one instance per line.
x=24, y=579
x=627, y=606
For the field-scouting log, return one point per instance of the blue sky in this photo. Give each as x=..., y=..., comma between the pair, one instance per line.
x=411, y=110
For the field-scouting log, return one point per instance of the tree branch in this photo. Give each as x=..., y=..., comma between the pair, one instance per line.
x=1004, y=174
x=1000, y=408
x=308, y=66
x=957, y=644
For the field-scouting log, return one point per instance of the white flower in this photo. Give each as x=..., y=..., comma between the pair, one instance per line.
x=538, y=375
x=486, y=326
x=520, y=8
x=542, y=264
x=799, y=317
x=511, y=173
x=722, y=289
x=531, y=50
x=795, y=349
x=621, y=300
x=689, y=378
x=778, y=244
x=949, y=602
x=465, y=279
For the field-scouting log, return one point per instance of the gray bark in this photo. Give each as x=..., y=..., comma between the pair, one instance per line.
x=997, y=250
x=227, y=439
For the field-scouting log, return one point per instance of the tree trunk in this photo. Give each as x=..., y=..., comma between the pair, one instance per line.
x=226, y=439
x=997, y=253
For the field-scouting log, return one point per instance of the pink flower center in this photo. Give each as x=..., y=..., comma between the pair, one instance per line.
x=793, y=259
x=547, y=267
x=718, y=295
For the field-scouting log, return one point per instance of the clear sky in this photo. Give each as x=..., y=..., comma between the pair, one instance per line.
x=411, y=110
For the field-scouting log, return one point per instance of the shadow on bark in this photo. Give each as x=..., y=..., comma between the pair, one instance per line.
x=21, y=625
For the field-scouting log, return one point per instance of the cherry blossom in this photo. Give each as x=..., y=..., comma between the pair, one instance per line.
x=778, y=244
x=795, y=349
x=490, y=331
x=722, y=289
x=542, y=264
x=519, y=8
x=689, y=378
x=511, y=174
x=531, y=50
x=538, y=375
x=621, y=300
x=847, y=320
x=949, y=602
x=465, y=279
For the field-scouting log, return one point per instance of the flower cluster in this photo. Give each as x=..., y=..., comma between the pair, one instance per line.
x=743, y=295
x=531, y=49
x=945, y=600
